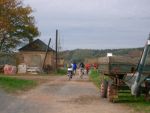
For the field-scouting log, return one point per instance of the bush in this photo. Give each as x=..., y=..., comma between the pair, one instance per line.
x=61, y=71
x=95, y=77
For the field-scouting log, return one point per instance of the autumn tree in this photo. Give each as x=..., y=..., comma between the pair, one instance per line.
x=16, y=24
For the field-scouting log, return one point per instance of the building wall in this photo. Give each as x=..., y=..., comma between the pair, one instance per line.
x=36, y=58
x=61, y=62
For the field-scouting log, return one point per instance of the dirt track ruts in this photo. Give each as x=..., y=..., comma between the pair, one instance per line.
x=58, y=95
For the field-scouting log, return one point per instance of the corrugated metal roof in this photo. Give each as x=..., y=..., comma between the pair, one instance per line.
x=36, y=45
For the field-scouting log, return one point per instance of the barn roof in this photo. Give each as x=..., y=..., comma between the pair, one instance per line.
x=36, y=45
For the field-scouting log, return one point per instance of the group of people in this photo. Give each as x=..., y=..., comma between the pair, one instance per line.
x=83, y=68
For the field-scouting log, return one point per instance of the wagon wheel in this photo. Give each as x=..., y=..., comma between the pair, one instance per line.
x=103, y=88
x=111, y=93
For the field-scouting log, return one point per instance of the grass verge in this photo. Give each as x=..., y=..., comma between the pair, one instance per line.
x=95, y=77
x=61, y=72
x=14, y=85
x=138, y=104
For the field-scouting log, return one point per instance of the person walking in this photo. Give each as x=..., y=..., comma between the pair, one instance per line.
x=74, y=68
x=87, y=67
x=81, y=68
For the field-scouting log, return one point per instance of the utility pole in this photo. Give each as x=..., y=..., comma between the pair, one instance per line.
x=46, y=53
x=56, y=48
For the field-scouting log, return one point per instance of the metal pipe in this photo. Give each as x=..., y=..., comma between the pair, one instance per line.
x=143, y=59
x=138, y=74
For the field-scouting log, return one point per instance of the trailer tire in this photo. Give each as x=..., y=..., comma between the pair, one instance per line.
x=111, y=93
x=103, y=88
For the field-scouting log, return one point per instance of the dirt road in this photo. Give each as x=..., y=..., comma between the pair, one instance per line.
x=60, y=96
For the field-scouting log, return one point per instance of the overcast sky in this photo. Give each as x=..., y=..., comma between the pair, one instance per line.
x=93, y=24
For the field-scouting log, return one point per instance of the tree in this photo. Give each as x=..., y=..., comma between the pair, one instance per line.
x=16, y=24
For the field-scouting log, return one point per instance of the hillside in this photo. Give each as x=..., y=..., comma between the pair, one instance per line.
x=80, y=54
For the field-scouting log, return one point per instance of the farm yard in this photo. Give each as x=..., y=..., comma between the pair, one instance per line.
x=27, y=86
x=56, y=94
x=51, y=91
x=74, y=56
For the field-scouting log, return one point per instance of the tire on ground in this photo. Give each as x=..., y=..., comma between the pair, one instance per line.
x=111, y=92
x=103, y=88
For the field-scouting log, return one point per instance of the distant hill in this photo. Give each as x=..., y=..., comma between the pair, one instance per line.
x=79, y=55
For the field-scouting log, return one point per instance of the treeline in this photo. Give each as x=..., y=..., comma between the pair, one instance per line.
x=79, y=55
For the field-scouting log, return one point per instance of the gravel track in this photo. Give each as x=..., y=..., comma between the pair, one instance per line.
x=58, y=95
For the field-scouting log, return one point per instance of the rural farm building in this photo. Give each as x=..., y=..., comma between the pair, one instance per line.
x=33, y=55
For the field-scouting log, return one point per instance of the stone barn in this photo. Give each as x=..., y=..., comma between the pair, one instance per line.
x=33, y=55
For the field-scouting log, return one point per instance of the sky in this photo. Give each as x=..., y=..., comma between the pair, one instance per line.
x=93, y=24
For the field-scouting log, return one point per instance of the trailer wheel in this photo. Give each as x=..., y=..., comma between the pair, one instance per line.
x=111, y=93
x=103, y=88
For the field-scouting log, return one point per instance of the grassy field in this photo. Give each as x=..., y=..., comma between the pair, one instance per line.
x=138, y=104
x=14, y=85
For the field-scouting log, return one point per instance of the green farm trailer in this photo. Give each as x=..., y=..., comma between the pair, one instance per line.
x=122, y=72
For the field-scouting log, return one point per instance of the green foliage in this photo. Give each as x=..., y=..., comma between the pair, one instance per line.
x=17, y=24
x=14, y=85
x=95, y=77
x=139, y=104
x=61, y=71
x=80, y=54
